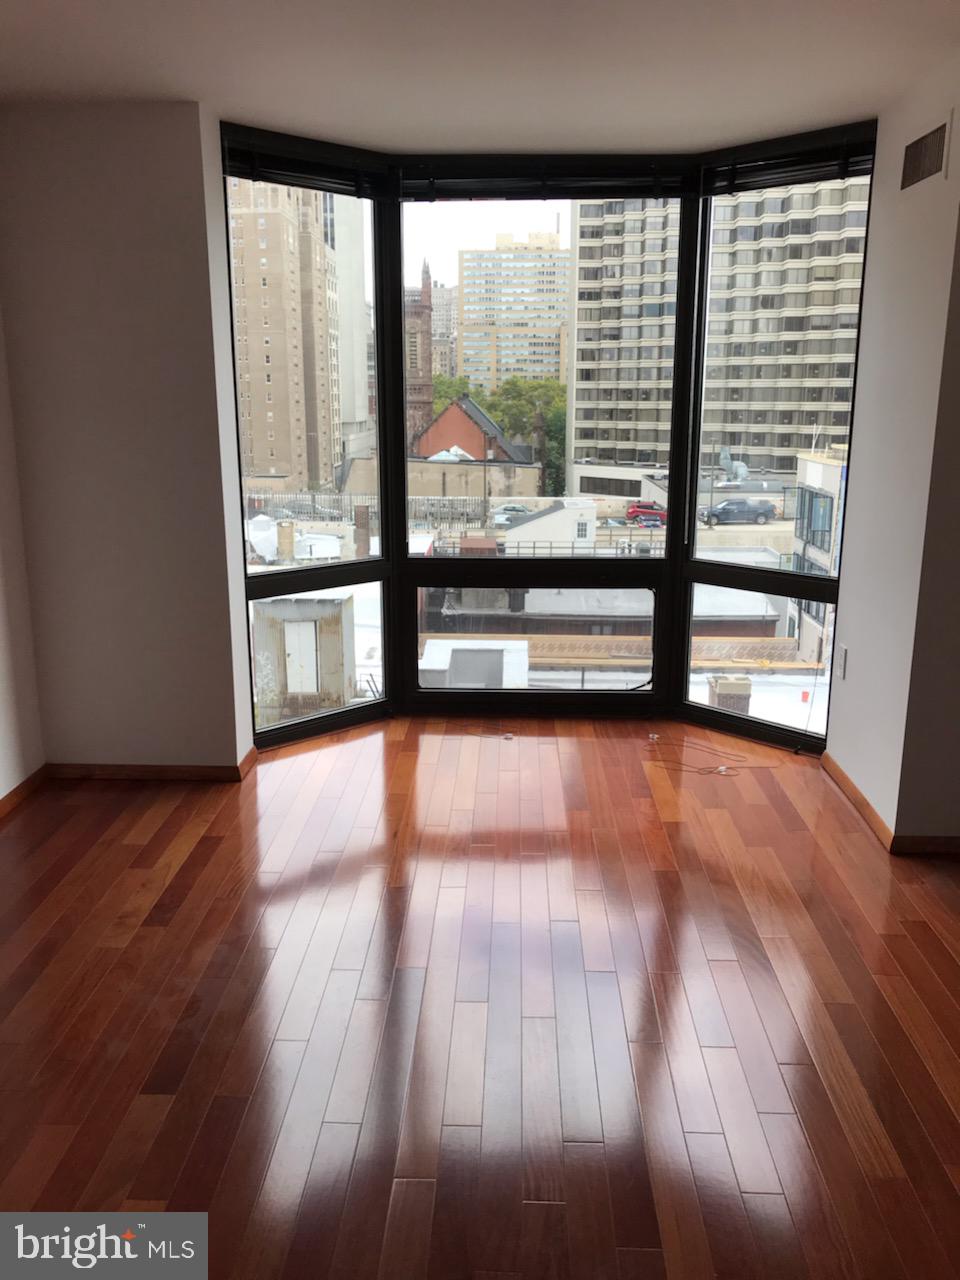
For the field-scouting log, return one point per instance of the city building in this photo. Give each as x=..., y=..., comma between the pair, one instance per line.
x=357, y=403
x=444, y=328
x=445, y=356
x=783, y=302
x=418, y=354
x=620, y=358
x=821, y=482
x=287, y=334
x=448, y=475
x=512, y=310
x=465, y=426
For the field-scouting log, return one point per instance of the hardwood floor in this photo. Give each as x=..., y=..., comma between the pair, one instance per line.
x=478, y=1000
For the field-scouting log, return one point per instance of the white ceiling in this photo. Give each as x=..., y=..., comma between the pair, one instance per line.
x=498, y=75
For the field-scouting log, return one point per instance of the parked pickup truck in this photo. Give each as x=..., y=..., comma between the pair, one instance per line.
x=738, y=511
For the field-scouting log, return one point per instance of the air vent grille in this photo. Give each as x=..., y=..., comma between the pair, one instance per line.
x=924, y=157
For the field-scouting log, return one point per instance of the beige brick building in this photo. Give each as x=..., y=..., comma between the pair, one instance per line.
x=282, y=243
x=512, y=309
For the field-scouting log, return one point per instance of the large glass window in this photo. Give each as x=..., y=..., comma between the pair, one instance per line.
x=302, y=281
x=783, y=304
x=761, y=656
x=558, y=638
x=538, y=361
x=532, y=353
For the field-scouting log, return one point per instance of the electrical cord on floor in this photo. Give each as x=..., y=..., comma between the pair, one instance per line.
x=733, y=770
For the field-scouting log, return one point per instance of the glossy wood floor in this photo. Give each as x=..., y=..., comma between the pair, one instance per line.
x=457, y=999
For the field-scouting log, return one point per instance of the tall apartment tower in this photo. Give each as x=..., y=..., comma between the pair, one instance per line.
x=418, y=354
x=619, y=398
x=783, y=300
x=785, y=275
x=512, y=310
x=285, y=301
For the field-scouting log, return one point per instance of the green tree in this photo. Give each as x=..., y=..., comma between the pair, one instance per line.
x=524, y=406
x=516, y=402
x=446, y=390
x=555, y=459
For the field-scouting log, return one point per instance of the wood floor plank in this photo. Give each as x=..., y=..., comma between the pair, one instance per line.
x=781, y=1253
x=684, y=1240
x=749, y=1152
x=732, y=1246
x=496, y=1226
x=698, y=1111
x=458, y=1172
x=419, y=1141
x=849, y=1189
x=544, y=1249
x=591, y=1237
x=578, y=1078
x=357, y=1252
x=406, y=1239
x=630, y=1192
x=541, y=1115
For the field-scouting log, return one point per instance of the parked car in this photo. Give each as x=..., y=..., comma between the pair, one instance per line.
x=738, y=511
x=642, y=507
x=614, y=522
x=511, y=509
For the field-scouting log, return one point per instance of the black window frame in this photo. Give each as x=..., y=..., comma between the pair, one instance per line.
x=389, y=181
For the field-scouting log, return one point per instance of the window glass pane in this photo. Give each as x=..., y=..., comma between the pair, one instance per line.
x=315, y=652
x=570, y=638
x=538, y=355
x=782, y=315
x=766, y=657
x=302, y=280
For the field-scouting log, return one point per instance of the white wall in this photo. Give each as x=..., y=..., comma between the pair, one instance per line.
x=21, y=745
x=929, y=796
x=905, y=301
x=113, y=357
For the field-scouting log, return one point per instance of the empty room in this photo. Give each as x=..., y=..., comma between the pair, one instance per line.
x=479, y=632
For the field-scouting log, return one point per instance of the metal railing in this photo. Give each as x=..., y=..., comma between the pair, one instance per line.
x=539, y=548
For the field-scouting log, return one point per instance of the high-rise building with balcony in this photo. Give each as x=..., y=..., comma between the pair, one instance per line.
x=512, y=310
x=782, y=308
x=619, y=384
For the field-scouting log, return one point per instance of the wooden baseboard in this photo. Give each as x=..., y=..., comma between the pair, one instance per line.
x=157, y=772
x=22, y=790
x=131, y=773
x=932, y=845
x=901, y=845
x=859, y=801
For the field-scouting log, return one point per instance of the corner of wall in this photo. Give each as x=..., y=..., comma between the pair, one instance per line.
x=216, y=231
x=21, y=739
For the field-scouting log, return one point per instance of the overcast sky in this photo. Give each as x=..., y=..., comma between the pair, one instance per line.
x=438, y=231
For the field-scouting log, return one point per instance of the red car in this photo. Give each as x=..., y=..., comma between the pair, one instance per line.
x=641, y=511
